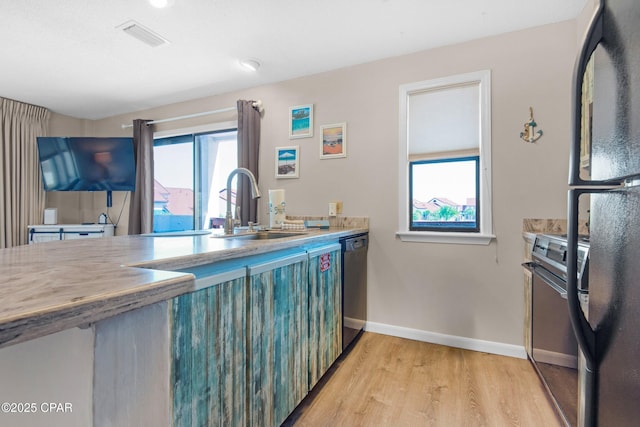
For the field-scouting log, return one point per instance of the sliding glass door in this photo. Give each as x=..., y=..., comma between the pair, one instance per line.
x=190, y=180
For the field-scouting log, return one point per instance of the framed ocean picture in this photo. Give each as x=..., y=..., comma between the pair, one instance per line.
x=287, y=162
x=301, y=121
x=333, y=141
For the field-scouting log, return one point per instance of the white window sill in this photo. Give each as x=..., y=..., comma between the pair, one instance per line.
x=438, y=237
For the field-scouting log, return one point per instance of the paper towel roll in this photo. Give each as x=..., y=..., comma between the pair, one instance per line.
x=276, y=208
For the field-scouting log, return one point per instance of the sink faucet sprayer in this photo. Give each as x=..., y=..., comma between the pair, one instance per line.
x=255, y=193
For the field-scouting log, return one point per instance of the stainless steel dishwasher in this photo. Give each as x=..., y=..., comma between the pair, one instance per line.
x=354, y=286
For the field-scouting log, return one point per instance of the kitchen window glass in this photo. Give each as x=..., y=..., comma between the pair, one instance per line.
x=445, y=160
x=190, y=172
x=444, y=195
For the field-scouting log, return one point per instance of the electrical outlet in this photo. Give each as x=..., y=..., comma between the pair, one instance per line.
x=338, y=207
x=332, y=209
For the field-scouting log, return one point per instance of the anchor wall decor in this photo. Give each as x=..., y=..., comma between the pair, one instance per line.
x=530, y=134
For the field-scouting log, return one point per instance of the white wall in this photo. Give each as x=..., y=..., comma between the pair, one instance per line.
x=466, y=291
x=54, y=369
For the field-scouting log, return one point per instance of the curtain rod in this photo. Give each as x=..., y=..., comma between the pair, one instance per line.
x=188, y=116
x=256, y=104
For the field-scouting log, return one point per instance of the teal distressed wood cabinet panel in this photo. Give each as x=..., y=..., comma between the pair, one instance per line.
x=209, y=365
x=278, y=340
x=255, y=337
x=325, y=314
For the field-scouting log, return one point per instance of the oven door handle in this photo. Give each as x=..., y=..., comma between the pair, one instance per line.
x=546, y=277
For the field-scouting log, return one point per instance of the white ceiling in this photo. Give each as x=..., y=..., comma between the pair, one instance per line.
x=69, y=55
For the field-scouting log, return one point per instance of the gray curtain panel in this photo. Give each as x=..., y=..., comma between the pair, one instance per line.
x=248, y=146
x=141, y=205
x=22, y=194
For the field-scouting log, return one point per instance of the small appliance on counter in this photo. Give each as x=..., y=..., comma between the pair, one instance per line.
x=50, y=216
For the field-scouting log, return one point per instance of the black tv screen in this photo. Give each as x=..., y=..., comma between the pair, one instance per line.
x=87, y=164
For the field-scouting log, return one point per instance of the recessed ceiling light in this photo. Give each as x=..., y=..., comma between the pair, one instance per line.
x=250, y=64
x=159, y=3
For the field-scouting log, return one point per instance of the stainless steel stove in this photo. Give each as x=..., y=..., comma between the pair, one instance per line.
x=550, y=253
x=554, y=350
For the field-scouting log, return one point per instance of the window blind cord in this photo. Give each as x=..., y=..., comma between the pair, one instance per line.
x=490, y=201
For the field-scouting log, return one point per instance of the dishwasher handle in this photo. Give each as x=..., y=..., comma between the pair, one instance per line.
x=356, y=243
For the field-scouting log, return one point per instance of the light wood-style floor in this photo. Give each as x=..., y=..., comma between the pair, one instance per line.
x=389, y=381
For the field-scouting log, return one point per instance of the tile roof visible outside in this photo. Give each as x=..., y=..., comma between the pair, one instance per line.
x=180, y=201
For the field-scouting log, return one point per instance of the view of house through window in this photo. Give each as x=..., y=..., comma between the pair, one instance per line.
x=190, y=174
x=444, y=194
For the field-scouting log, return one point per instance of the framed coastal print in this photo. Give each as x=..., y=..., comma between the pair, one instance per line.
x=333, y=141
x=287, y=162
x=301, y=121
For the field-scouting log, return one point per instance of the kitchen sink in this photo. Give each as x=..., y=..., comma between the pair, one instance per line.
x=260, y=235
x=178, y=233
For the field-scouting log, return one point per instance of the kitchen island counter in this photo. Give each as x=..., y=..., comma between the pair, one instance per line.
x=53, y=286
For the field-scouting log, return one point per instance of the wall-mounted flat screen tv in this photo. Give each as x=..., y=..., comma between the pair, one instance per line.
x=87, y=164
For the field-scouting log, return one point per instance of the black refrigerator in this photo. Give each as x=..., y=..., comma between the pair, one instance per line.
x=608, y=183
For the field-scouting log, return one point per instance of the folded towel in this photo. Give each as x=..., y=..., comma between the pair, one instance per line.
x=294, y=221
x=289, y=225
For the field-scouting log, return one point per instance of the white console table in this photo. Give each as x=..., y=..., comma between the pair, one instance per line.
x=45, y=233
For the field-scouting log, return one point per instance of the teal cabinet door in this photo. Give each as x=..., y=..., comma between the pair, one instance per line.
x=278, y=339
x=208, y=348
x=325, y=310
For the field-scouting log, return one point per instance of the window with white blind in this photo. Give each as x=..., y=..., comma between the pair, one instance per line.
x=445, y=160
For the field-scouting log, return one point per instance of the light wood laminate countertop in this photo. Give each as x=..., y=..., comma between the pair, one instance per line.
x=52, y=286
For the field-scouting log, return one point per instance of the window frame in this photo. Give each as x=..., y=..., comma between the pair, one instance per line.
x=485, y=234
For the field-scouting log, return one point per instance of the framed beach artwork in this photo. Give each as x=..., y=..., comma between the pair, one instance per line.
x=301, y=121
x=287, y=162
x=333, y=141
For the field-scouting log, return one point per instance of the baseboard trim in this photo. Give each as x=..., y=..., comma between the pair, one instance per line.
x=448, y=340
x=555, y=358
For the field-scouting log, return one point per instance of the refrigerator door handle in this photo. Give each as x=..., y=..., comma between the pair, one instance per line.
x=593, y=37
x=585, y=336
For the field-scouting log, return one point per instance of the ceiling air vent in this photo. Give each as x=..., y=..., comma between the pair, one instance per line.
x=145, y=35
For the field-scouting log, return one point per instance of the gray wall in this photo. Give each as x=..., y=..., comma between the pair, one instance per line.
x=464, y=291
